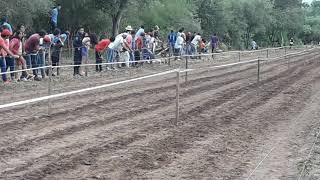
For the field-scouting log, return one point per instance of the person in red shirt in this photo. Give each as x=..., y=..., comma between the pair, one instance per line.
x=100, y=48
x=32, y=47
x=4, y=51
x=16, y=48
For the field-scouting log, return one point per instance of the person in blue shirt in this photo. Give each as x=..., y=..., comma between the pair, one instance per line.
x=54, y=17
x=172, y=38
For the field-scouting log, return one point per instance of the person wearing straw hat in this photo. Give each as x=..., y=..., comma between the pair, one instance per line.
x=4, y=51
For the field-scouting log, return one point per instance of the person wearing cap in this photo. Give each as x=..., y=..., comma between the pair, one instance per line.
x=126, y=55
x=4, y=51
x=115, y=47
x=32, y=47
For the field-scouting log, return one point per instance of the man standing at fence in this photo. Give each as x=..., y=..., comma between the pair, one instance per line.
x=77, y=45
x=214, y=43
x=172, y=37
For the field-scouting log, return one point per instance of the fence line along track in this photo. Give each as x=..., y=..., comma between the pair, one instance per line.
x=160, y=60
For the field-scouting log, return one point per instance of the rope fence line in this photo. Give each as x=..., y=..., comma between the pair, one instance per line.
x=309, y=156
x=82, y=90
x=160, y=60
x=118, y=83
x=275, y=146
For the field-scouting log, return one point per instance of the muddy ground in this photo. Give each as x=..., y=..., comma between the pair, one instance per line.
x=227, y=126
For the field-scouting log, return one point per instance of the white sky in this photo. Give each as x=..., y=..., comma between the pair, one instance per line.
x=308, y=1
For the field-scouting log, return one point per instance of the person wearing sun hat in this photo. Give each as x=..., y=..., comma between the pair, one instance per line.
x=4, y=51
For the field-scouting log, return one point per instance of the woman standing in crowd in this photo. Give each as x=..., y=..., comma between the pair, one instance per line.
x=16, y=47
x=4, y=51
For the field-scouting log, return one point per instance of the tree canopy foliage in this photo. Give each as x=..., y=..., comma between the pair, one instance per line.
x=237, y=22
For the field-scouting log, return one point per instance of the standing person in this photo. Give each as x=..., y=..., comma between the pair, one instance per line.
x=86, y=43
x=32, y=47
x=178, y=46
x=214, y=43
x=172, y=37
x=130, y=42
x=16, y=49
x=57, y=44
x=291, y=43
x=54, y=17
x=100, y=48
x=5, y=22
x=4, y=51
x=254, y=45
x=188, y=43
x=77, y=45
x=194, y=44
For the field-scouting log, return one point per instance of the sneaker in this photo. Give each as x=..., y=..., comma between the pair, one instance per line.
x=37, y=78
x=23, y=79
x=7, y=82
x=30, y=76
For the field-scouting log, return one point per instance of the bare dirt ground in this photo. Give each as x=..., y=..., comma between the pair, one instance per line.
x=227, y=125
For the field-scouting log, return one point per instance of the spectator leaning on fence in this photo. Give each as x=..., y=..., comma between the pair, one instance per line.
x=16, y=48
x=100, y=48
x=4, y=51
x=32, y=47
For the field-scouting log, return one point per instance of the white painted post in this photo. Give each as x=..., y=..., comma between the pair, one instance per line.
x=177, y=98
x=49, y=82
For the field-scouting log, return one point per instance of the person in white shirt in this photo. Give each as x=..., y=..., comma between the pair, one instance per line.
x=194, y=43
x=178, y=45
x=115, y=47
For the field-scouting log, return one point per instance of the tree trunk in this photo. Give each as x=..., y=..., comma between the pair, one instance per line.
x=115, y=25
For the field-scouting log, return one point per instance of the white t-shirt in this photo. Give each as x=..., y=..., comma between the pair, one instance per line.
x=179, y=43
x=117, y=44
x=196, y=40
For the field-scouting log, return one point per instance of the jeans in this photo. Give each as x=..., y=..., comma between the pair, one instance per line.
x=171, y=49
x=111, y=56
x=98, y=62
x=77, y=60
x=147, y=54
x=42, y=63
x=34, y=61
x=10, y=63
x=28, y=61
x=193, y=50
x=3, y=68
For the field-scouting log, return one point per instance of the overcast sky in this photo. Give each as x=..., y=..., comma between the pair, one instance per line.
x=308, y=1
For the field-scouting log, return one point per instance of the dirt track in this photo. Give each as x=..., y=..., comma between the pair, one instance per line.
x=227, y=126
